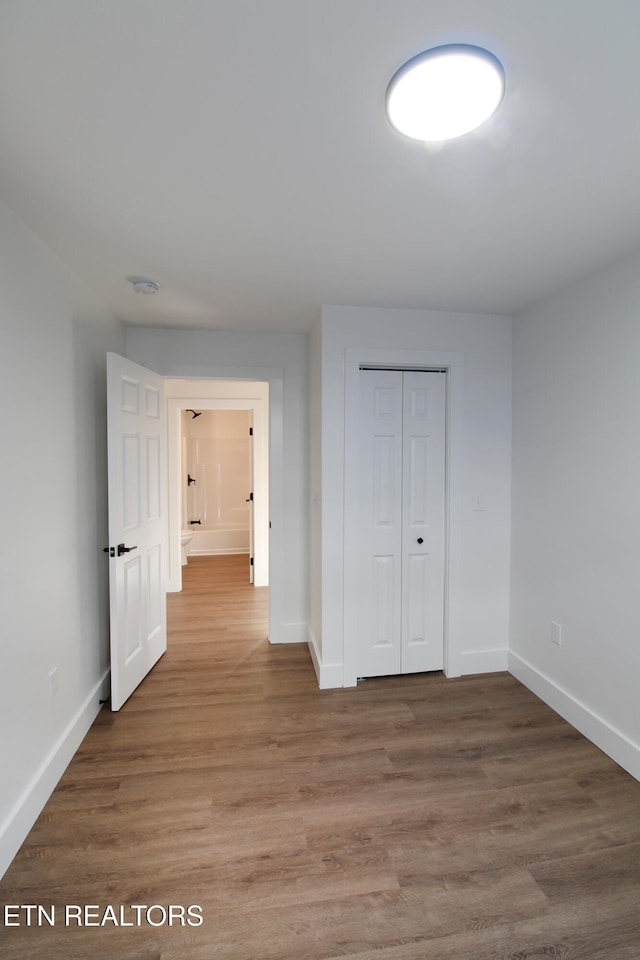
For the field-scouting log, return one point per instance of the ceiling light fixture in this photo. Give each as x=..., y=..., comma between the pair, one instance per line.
x=445, y=92
x=144, y=285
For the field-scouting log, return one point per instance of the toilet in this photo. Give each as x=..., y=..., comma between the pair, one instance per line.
x=185, y=541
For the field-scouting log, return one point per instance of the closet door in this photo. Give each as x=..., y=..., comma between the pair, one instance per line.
x=401, y=510
x=380, y=547
x=423, y=487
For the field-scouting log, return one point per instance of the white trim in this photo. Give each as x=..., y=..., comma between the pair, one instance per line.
x=329, y=675
x=606, y=737
x=453, y=363
x=483, y=661
x=220, y=552
x=29, y=806
x=292, y=633
x=316, y=657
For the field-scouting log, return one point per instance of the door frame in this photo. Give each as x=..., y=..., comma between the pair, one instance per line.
x=453, y=364
x=259, y=406
x=279, y=629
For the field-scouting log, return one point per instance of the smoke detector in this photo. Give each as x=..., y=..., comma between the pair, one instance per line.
x=144, y=285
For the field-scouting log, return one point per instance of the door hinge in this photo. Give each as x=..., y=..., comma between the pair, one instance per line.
x=250, y=431
x=251, y=562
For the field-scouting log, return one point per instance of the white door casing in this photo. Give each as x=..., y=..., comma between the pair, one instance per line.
x=137, y=523
x=402, y=522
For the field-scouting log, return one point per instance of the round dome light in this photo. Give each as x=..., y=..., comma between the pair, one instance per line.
x=445, y=92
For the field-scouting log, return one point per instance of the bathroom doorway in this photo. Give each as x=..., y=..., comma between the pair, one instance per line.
x=217, y=484
x=216, y=476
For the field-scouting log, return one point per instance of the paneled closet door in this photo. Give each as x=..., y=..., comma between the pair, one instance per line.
x=380, y=566
x=423, y=489
x=401, y=571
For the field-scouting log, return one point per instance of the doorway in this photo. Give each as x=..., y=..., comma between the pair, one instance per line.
x=451, y=366
x=139, y=424
x=216, y=484
x=220, y=395
x=401, y=521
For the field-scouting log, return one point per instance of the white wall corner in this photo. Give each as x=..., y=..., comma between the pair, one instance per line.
x=615, y=744
x=26, y=811
x=330, y=676
x=316, y=658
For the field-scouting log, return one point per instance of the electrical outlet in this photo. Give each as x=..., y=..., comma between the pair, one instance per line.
x=53, y=683
x=556, y=633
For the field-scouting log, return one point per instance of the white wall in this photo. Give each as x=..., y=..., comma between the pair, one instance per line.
x=53, y=574
x=282, y=360
x=576, y=508
x=478, y=350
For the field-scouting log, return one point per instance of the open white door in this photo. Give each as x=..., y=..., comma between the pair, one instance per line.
x=137, y=523
x=252, y=533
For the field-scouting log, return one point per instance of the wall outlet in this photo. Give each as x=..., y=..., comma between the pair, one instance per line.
x=556, y=633
x=53, y=683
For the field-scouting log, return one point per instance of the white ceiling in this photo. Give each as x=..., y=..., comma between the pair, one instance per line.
x=237, y=152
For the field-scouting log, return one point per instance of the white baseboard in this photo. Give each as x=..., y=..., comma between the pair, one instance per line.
x=615, y=744
x=17, y=825
x=480, y=661
x=290, y=633
x=330, y=675
x=217, y=552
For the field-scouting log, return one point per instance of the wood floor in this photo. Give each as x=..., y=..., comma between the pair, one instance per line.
x=409, y=818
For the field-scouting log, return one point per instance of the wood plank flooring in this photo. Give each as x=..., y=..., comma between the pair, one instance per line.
x=409, y=818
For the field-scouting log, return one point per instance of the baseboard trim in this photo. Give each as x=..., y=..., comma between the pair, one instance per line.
x=290, y=633
x=217, y=552
x=24, y=814
x=481, y=661
x=330, y=675
x=611, y=741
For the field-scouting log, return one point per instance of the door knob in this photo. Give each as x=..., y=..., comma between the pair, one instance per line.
x=122, y=549
x=420, y=540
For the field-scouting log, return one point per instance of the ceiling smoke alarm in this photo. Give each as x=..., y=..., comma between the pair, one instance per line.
x=144, y=285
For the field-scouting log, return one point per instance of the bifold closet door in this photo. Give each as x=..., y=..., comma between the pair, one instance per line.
x=402, y=489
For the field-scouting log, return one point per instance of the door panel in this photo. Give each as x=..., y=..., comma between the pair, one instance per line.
x=137, y=521
x=423, y=521
x=384, y=577
x=132, y=607
x=380, y=522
